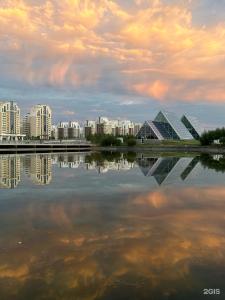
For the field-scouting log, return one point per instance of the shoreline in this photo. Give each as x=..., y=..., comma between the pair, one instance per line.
x=6, y=148
x=61, y=147
x=184, y=149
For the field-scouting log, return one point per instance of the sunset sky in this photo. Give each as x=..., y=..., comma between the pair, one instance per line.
x=121, y=58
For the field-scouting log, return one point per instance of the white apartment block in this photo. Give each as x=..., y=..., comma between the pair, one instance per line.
x=90, y=128
x=126, y=127
x=115, y=127
x=9, y=121
x=73, y=130
x=40, y=121
x=26, y=125
x=68, y=130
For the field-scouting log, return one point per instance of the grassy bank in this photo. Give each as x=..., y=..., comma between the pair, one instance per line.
x=171, y=143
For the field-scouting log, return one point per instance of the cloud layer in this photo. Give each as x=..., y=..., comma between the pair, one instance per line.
x=157, y=49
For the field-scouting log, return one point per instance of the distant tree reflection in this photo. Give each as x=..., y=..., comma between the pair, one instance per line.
x=214, y=162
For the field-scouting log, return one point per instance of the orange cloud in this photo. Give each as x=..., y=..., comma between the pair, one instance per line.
x=157, y=89
x=155, y=48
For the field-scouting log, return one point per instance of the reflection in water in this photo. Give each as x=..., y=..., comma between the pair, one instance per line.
x=9, y=171
x=165, y=170
x=39, y=168
x=215, y=162
x=113, y=236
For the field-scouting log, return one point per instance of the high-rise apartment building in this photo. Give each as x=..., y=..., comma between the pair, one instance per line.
x=68, y=130
x=125, y=127
x=40, y=121
x=73, y=130
x=26, y=125
x=9, y=121
x=104, y=126
x=114, y=127
x=90, y=128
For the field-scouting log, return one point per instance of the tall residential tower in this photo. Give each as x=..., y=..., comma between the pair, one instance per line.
x=9, y=121
x=40, y=121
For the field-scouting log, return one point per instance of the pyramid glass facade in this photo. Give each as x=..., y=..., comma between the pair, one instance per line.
x=178, y=127
x=167, y=126
x=192, y=126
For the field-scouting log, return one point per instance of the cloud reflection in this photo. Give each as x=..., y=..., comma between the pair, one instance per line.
x=154, y=241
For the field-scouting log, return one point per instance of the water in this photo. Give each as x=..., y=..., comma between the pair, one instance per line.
x=120, y=226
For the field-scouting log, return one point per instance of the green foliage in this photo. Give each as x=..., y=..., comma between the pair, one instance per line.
x=222, y=140
x=208, y=137
x=35, y=138
x=104, y=140
x=131, y=142
x=100, y=157
x=130, y=156
x=110, y=140
x=95, y=138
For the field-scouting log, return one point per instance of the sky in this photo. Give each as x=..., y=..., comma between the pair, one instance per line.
x=121, y=58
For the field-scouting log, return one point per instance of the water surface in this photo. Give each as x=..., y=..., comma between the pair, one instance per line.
x=111, y=226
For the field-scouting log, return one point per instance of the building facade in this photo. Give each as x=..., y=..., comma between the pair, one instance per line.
x=90, y=128
x=166, y=126
x=40, y=121
x=74, y=130
x=26, y=125
x=113, y=127
x=193, y=126
x=10, y=121
x=68, y=130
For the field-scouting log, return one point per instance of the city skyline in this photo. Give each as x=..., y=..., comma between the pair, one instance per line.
x=121, y=58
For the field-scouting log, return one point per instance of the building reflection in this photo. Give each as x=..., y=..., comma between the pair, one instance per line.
x=9, y=171
x=165, y=170
x=168, y=170
x=39, y=168
x=73, y=160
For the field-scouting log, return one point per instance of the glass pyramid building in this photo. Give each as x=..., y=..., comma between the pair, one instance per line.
x=166, y=126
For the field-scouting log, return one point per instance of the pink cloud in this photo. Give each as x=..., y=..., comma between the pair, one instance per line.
x=77, y=43
x=157, y=89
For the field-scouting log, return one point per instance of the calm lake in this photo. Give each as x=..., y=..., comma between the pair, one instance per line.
x=112, y=226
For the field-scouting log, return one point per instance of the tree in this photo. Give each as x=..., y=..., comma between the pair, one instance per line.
x=131, y=142
x=110, y=140
x=207, y=138
x=222, y=140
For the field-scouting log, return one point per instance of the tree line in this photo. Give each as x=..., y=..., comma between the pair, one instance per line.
x=107, y=140
x=207, y=138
